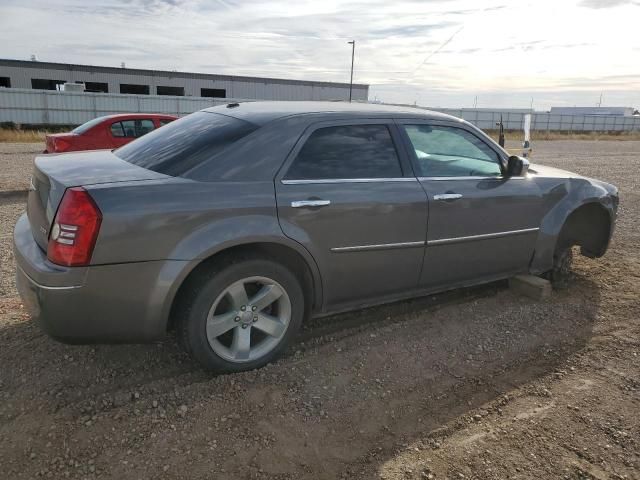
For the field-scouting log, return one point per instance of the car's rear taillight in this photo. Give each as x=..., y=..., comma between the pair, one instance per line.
x=75, y=229
x=61, y=145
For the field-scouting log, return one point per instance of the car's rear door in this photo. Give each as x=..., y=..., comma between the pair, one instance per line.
x=347, y=194
x=116, y=135
x=126, y=131
x=482, y=223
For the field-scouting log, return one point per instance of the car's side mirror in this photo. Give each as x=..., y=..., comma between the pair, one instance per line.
x=517, y=166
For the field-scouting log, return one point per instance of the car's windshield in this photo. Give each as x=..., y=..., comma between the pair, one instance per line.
x=86, y=126
x=185, y=143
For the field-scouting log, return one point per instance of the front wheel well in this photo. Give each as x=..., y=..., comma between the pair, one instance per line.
x=271, y=251
x=589, y=227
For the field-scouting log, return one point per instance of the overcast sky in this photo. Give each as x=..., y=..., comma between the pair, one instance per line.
x=433, y=52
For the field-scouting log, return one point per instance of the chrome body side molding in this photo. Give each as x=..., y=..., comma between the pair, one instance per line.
x=501, y=178
x=485, y=236
x=383, y=246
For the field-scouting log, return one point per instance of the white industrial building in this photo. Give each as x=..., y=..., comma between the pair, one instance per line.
x=610, y=111
x=49, y=76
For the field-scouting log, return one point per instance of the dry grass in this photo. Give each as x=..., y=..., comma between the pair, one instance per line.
x=551, y=135
x=8, y=135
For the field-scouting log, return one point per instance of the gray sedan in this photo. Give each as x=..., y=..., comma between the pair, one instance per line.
x=234, y=224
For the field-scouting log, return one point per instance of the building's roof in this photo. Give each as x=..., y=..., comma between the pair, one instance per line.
x=165, y=73
x=264, y=112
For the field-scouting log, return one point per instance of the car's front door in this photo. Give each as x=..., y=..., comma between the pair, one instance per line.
x=346, y=193
x=482, y=223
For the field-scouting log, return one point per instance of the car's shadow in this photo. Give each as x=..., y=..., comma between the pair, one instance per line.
x=391, y=374
x=60, y=367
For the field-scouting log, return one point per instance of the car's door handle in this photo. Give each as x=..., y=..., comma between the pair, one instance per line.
x=447, y=196
x=310, y=203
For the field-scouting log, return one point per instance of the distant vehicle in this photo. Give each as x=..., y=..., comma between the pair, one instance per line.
x=109, y=132
x=237, y=222
x=72, y=87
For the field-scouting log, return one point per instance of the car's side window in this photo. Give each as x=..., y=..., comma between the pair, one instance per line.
x=143, y=127
x=129, y=127
x=117, y=130
x=347, y=151
x=132, y=128
x=164, y=121
x=451, y=152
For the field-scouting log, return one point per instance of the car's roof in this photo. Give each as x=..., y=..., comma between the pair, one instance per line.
x=261, y=113
x=127, y=116
x=137, y=115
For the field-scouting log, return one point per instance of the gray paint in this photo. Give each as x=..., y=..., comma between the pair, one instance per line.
x=377, y=240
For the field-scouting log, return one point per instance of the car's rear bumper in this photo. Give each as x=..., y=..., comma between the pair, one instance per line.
x=127, y=302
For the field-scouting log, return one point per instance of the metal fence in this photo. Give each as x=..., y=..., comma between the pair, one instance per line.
x=43, y=107
x=487, y=120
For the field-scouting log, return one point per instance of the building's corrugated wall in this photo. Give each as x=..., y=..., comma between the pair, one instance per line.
x=513, y=120
x=70, y=108
x=256, y=88
x=620, y=111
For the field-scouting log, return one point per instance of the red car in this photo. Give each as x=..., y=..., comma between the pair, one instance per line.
x=108, y=132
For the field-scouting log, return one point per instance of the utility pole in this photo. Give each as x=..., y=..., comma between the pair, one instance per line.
x=353, y=53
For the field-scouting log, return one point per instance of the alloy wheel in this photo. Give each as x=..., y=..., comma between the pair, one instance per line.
x=248, y=319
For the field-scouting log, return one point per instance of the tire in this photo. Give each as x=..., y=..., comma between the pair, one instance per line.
x=217, y=322
x=561, y=274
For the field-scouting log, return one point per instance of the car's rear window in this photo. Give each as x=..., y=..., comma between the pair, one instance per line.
x=86, y=126
x=185, y=143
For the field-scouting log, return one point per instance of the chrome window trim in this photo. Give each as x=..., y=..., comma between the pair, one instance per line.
x=484, y=236
x=471, y=178
x=460, y=124
x=347, y=180
x=382, y=246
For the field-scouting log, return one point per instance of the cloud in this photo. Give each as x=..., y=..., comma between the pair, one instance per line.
x=534, y=46
x=606, y=3
x=409, y=30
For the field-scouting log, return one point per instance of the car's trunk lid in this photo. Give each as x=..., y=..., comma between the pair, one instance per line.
x=52, y=175
x=56, y=142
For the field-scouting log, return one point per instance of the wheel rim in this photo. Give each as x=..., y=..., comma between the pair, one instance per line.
x=248, y=319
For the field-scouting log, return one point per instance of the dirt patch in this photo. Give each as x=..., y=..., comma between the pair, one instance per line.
x=477, y=383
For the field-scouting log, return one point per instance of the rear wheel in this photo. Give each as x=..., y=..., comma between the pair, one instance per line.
x=242, y=315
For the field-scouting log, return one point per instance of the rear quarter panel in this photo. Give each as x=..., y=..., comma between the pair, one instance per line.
x=179, y=219
x=188, y=221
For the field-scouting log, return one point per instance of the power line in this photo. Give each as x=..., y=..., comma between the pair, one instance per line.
x=444, y=44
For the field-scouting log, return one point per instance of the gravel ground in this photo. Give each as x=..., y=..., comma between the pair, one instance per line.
x=10, y=210
x=478, y=383
x=16, y=164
